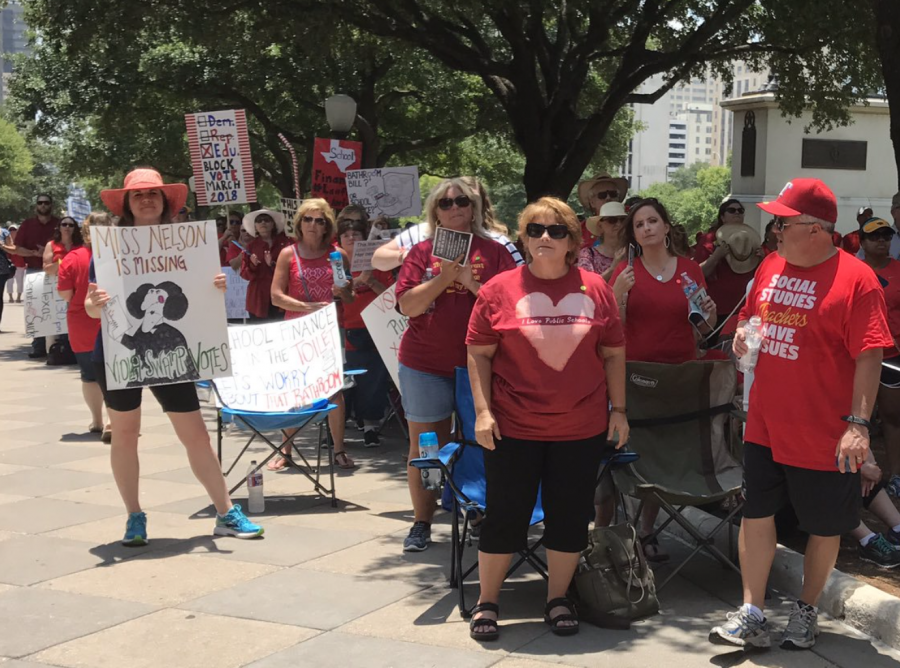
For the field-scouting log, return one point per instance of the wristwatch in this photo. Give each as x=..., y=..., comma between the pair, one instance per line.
x=853, y=419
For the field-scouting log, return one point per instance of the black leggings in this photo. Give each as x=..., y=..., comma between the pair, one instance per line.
x=565, y=471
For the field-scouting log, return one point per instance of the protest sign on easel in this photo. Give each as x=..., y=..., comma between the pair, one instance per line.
x=220, y=155
x=165, y=321
x=386, y=327
x=386, y=191
x=281, y=366
x=331, y=160
x=235, y=295
x=45, y=310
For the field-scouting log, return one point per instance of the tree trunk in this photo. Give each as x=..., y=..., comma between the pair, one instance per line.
x=887, y=39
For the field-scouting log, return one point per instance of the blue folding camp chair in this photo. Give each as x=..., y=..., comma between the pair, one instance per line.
x=465, y=491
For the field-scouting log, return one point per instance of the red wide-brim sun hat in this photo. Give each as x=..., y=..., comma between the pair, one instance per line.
x=145, y=179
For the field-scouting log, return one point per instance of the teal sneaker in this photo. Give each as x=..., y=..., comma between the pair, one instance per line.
x=136, y=530
x=235, y=523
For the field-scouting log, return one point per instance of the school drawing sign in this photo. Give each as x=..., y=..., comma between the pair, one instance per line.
x=386, y=191
x=45, y=310
x=282, y=366
x=331, y=160
x=220, y=156
x=165, y=320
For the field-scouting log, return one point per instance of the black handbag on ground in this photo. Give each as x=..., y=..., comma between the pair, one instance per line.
x=60, y=353
x=613, y=582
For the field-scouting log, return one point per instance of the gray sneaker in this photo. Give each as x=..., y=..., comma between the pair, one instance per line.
x=419, y=537
x=802, y=628
x=743, y=630
x=881, y=552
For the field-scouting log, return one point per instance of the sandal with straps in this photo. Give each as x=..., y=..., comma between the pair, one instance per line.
x=490, y=628
x=571, y=616
x=652, y=550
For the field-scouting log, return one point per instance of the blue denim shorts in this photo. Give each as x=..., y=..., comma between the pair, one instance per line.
x=86, y=366
x=426, y=397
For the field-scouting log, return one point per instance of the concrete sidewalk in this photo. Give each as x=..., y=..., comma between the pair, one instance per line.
x=325, y=587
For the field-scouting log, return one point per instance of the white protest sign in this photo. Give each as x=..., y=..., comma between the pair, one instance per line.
x=220, y=156
x=281, y=366
x=387, y=191
x=45, y=310
x=386, y=327
x=235, y=295
x=363, y=252
x=165, y=321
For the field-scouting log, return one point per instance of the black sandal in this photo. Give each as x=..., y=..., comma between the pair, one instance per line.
x=571, y=616
x=654, y=554
x=492, y=628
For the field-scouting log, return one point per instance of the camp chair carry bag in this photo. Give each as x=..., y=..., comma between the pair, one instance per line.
x=613, y=579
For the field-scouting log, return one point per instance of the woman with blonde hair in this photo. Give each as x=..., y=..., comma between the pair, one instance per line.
x=304, y=283
x=546, y=358
x=438, y=296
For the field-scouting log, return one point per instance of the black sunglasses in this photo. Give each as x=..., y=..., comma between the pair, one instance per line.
x=739, y=210
x=310, y=219
x=536, y=230
x=44, y=202
x=68, y=225
x=883, y=235
x=607, y=194
x=446, y=203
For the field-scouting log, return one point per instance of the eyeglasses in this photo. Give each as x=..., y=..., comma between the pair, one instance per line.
x=44, y=202
x=536, y=231
x=614, y=220
x=739, y=210
x=446, y=203
x=606, y=194
x=264, y=221
x=68, y=225
x=310, y=219
x=780, y=224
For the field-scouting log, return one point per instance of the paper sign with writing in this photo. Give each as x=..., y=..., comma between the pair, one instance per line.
x=289, y=208
x=363, y=252
x=282, y=366
x=235, y=295
x=386, y=191
x=331, y=160
x=220, y=156
x=450, y=244
x=165, y=321
x=386, y=327
x=45, y=310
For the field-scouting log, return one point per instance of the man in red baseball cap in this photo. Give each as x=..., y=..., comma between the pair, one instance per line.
x=824, y=326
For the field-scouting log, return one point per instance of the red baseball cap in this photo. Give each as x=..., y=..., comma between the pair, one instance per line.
x=804, y=196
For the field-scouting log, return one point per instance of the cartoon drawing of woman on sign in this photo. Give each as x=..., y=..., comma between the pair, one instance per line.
x=161, y=348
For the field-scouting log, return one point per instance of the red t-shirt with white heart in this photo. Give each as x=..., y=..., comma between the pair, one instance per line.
x=817, y=321
x=549, y=379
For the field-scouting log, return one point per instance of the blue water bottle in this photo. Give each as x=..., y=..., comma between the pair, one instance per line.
x=429, y=449
x=337, y=268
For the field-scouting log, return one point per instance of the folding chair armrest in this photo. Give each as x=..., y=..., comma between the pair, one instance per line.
x=429, y=463
x=739, y=414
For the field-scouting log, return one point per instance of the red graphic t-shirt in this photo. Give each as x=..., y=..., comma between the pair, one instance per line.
x=891, y=275
x=657, y=328
x=817, y=321
x=435, y=342
x=74, y=275
x=549, y=379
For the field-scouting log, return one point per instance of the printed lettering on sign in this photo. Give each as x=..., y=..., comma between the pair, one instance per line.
x=220, y=155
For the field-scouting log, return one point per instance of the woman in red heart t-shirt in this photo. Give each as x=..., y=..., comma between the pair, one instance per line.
x=546, y=356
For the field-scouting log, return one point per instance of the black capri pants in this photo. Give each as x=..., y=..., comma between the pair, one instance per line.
x=175, y=398
x=566, y=474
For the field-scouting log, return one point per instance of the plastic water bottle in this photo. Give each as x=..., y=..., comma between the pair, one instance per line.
x=427, y=276
x=256, y=500
x=337, y=268
x=753, y=336
x=428, y=449
x=688, y=285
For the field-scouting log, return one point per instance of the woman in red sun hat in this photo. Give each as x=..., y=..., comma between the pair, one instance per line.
x=146, y=200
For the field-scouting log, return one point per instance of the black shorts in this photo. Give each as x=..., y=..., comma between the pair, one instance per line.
x=827, y=503
x=566, y=474
x=175, y=398
x=86, y=366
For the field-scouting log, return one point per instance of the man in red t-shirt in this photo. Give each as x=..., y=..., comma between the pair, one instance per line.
x=825, y=328
x=33, y=235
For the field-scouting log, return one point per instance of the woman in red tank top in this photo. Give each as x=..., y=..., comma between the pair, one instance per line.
x=304, y=283
x=65, y=237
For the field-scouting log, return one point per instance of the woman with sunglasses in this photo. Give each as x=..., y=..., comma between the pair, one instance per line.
x=546, y=356
x=708, y=253
x=65, y=237
x=438, y=296
x=258, y=261
x=875, y=237
x=609, y=226
x=654, y=307
x=594, y=194
x=304, y=283
x=73, y=282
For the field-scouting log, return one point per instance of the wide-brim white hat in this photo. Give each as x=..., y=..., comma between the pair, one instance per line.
x=249, y=222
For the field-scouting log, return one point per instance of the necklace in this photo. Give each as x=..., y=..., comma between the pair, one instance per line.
x=658, y=276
